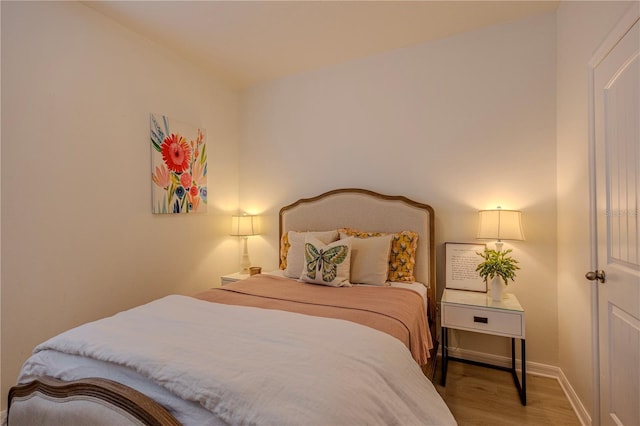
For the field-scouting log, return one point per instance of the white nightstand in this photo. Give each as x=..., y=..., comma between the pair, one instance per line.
x=231, y=278
x=477, y=312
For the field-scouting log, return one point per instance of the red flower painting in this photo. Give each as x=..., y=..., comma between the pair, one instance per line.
x=176, y=153
x=179, y=167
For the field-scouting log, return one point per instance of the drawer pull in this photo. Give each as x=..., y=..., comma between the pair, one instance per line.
x=483, y=320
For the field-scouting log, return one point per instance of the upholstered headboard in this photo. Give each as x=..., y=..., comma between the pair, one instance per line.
x=369, y=211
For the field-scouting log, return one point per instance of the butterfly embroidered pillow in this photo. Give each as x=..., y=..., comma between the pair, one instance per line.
x=294, y=253
x=327, y=264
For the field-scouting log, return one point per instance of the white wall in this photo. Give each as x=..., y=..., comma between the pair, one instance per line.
x=79, y=241
x=463, y=123
x=582, y=27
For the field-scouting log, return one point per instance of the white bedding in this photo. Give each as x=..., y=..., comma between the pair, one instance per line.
x=249, y=366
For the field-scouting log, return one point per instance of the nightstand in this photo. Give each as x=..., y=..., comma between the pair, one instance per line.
x=477, y=312
x=231, y=278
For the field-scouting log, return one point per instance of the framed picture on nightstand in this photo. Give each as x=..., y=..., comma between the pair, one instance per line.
x=461, y=262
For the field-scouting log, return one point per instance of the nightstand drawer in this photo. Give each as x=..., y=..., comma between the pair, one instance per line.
x=483, y=320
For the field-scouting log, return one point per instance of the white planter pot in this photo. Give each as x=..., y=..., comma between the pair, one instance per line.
x=497, y=289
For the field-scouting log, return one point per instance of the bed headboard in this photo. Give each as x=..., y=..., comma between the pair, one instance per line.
x=369, y=211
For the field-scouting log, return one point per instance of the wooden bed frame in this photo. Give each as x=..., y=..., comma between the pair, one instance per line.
x=94, y=401
x=103, y=402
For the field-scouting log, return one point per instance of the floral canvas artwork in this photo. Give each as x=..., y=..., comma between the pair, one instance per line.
x=178, y=167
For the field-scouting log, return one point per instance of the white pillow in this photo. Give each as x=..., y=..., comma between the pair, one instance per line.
x=327, y=264
x=370, y=259
x=295, y=255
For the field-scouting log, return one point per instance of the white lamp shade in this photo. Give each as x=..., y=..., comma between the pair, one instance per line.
x=244, y=226
x=500, y=225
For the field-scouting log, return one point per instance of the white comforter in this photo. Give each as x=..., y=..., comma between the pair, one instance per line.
x=258, y=366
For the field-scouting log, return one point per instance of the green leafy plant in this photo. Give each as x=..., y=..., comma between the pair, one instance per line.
x=497, y=263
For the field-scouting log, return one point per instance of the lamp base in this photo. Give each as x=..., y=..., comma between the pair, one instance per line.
x=245, y=263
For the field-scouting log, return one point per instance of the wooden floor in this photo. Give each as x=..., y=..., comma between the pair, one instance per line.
x=483, y=396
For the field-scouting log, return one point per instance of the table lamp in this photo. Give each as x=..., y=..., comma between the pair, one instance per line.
x=244, y=226
x=500, y=225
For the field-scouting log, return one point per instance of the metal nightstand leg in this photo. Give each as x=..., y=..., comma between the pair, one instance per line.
x=521, y=385
x=445, y=355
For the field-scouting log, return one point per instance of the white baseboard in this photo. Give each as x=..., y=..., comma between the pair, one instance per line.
x=575, y=402
x=533, y=368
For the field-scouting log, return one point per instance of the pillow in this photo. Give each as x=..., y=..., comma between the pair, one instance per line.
x=294, y=256
x=370, y=259
x=402, y=258
x=327, y=264
x=284, y=250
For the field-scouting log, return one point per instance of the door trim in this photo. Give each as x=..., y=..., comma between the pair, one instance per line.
x=619, y=31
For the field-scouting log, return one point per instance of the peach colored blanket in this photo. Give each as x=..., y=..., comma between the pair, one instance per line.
x=396, y=311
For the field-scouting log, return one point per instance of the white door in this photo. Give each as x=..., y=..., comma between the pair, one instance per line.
x=616, y=117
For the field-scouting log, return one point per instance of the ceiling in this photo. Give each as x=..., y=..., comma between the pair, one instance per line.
x=247, y=42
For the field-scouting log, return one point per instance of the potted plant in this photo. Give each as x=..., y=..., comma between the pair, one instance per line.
x=497, y=267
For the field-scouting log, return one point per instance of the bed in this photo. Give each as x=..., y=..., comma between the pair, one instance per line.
x=277, y=348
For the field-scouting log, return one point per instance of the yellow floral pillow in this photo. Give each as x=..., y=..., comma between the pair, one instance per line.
x=402, y=259
x=284, y=250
